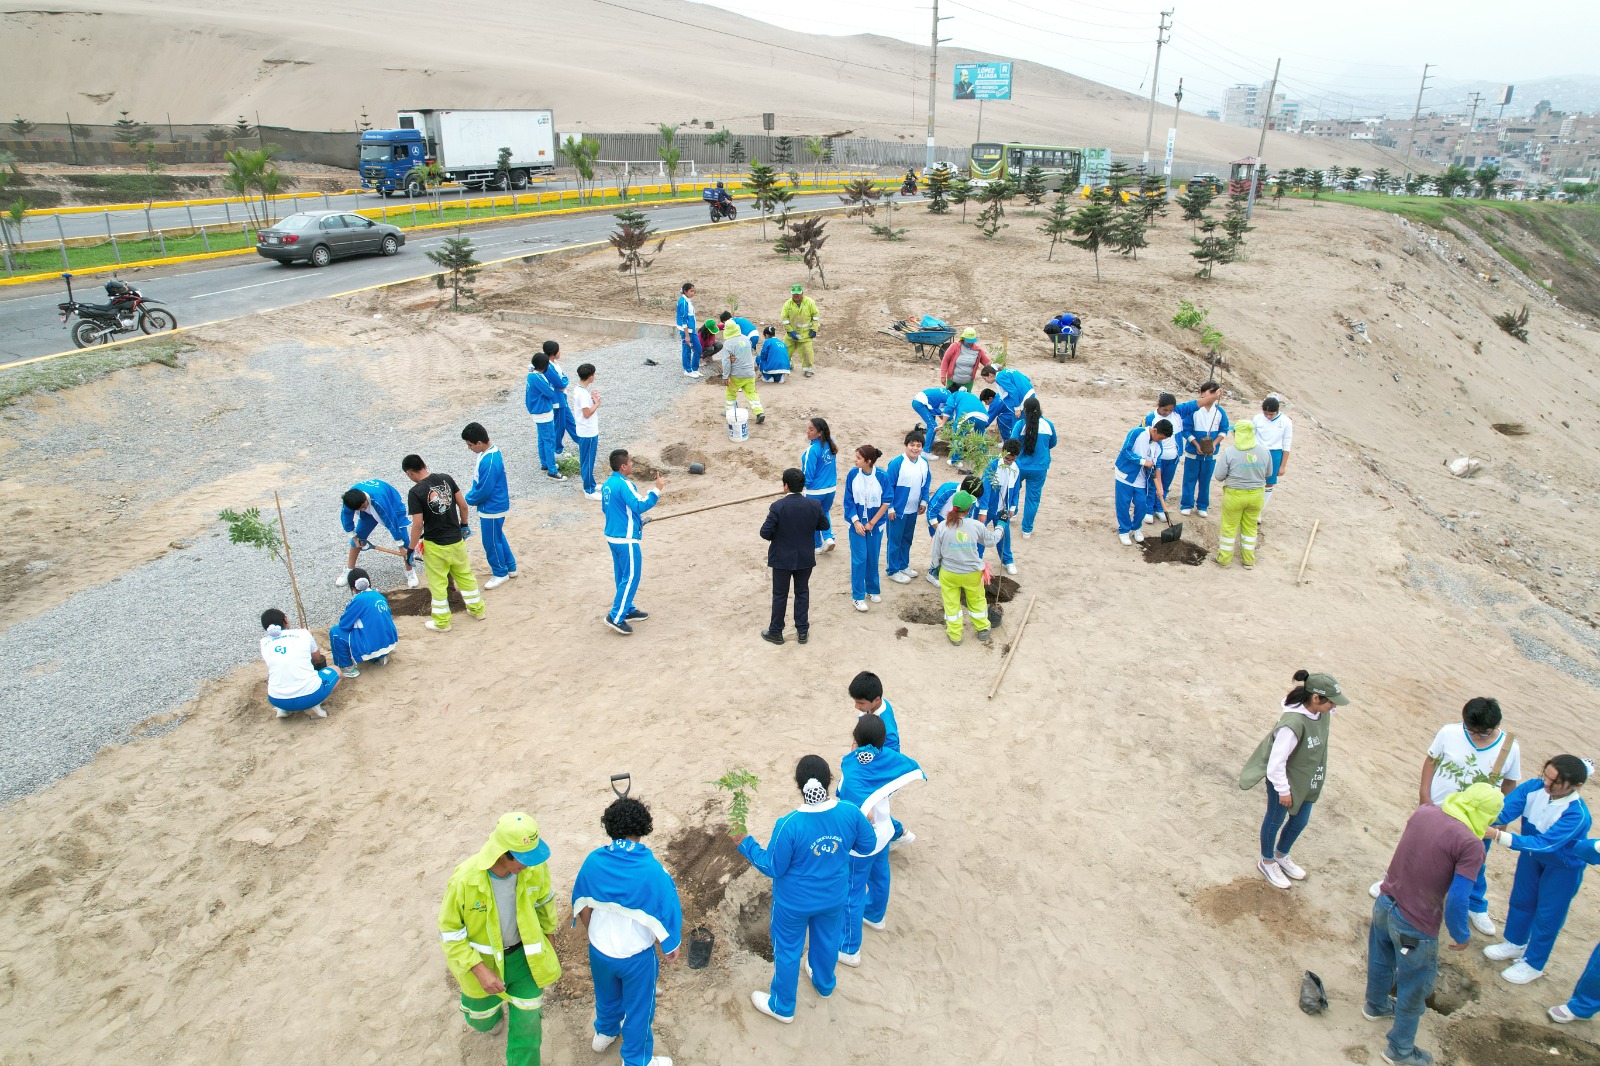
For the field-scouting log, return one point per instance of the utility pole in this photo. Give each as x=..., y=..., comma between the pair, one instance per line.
x=1155, y=78
x=1261, y=145
x=933, y=78
x=1471, y=122
x=1172, y=139
x=1415, y=115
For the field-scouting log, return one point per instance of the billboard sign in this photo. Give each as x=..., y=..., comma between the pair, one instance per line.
x=983, y=81
x=1096, y=166
x=1503, y=96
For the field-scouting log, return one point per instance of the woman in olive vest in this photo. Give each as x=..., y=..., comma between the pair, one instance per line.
x=1294, y=760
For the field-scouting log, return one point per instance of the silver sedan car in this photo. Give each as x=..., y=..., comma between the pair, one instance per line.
x=319, y=237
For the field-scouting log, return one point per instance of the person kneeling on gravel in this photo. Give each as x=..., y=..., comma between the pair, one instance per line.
x=298, y=677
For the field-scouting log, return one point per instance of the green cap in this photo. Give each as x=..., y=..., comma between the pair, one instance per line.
x=796, y=288
x=964, y=501
x=969, y=334
x=1325, y=686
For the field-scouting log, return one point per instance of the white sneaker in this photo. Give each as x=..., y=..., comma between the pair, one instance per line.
x=282, y=713
x=1561, y=1015
x=1138, y=536
x=763, y=1003
x=900, y=579
x=1291, y=868
x=349, y=671
x=1185, y=510
x=1027, y=536
x=1504, y=950
x=1204, y=513
x=600, y=1043
x=1482, y=922
x=1375, y=889
x=659, y=1060
x=1273, y=873
x=320, y=713
x=435, y=626
x=518, y=573
x=411, y=579
x=909, y=572
x=1126, y=540
x=905, y=838
x=874, y=597
x=588, y=496
x=1520, y=973
x=495, y=582
x=343, y=580
x=879, y=926
x=828, y=545
x=1011, y=568
x=861, y=605
x=850, y=960
x=691, y=373
x=1149, y=519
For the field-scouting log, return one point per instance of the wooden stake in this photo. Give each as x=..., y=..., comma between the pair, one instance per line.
x=1015, y=642
x=288, y=561
x=714, y=506
x=1307, y=556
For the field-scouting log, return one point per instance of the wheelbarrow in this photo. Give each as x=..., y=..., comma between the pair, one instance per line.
x=928, y=338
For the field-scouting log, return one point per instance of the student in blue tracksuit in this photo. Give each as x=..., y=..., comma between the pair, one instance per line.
x=1038, y=436
x=1585, y=1001
x=365, y=631
x=866, y=692
x=540, y=400
x=820, y=464
x=965, y=412
x=1205, y=424
x=911, y=480
x=565, y=425
x=867, y=498
x=1012, y=388
x=490, y=495
x=869, y=777
x=628, y=904
x=689, y=331
x=808, y=859
x=586, y=417
x=1555, y=822
x=1171, y=450
x=929, y=404
x=939, y=506
x=746, y=327
x=1002, y=480
x=624, y=510
x=366, y=506
x=773, y=360
x=1137, y=467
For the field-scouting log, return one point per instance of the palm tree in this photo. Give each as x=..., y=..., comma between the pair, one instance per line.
x=816, y=148
x=670, y=153
x=1452, y=178
x=1484, y=178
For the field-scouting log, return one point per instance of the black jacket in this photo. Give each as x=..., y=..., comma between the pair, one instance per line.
x=791, y=525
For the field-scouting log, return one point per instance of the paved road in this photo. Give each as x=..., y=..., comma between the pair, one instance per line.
x=216, y=289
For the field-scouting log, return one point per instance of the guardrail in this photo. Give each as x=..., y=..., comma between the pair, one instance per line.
x=167, y=245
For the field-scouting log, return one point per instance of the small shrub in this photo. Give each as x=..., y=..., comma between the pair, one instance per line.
x=888, y=233
x=1514, y=323
x=737, y=781
x=1189, y=316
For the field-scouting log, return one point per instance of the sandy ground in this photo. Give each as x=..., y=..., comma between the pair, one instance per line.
x=1082, y=888
x=318, y=64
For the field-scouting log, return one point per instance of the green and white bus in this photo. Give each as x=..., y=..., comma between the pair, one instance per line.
x=1062, y=166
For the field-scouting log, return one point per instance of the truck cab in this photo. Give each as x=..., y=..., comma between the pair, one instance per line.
x=387, y=156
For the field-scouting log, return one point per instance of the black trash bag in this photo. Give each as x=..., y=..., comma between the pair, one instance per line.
x=1313, y=997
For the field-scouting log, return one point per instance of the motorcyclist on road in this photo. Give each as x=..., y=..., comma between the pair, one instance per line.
x=909, y=186
x=722, y=196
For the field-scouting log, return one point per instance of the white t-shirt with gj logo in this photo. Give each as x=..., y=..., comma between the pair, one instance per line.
x=289, y=670
x=1459, y=761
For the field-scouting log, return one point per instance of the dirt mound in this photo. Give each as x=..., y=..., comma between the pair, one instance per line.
x=702, y=862
x=419, y=601
x=1183, y=552
x=1286, y=918
x=681, y=454
x=1495, y=1041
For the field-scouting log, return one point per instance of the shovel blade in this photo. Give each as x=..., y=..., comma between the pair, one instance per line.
x=1172, y=533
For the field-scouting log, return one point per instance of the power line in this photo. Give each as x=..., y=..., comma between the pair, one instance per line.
x=1036, y=29
x=1054, y=15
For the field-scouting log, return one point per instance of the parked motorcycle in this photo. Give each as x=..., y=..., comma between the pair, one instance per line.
x=720, y=211
x=129, y=311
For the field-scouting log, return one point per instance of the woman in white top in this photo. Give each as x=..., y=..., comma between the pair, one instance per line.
x=298, y=677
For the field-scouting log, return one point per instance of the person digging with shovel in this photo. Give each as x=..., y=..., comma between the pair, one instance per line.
x=1137, y=470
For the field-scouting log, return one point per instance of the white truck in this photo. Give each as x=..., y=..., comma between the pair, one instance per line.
x=465, y=143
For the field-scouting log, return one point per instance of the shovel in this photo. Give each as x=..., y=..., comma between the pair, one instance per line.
x=1172, y=532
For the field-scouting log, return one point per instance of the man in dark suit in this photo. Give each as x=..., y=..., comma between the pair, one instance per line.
x=790, y=525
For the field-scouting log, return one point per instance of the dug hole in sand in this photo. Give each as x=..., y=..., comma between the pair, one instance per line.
x=1082, y=887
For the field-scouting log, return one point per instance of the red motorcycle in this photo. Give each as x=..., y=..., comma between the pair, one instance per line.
x=128, y=311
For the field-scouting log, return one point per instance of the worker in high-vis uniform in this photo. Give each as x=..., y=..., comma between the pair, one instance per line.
x=800, y=320
x=498, y=912
x=1242, y=468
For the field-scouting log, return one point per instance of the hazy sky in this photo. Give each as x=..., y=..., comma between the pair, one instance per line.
x=1335, y=55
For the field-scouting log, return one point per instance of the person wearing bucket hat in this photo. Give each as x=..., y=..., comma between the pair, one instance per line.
x=801, y=319
x=498, y=913
x=1555, y=823
x=1243, y=468
x=958, y=557
x=962, y=361
x=1428, y=883
x=1293, y=758
x=628, y=904
x=738, y=360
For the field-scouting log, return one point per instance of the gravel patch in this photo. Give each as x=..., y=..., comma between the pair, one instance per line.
x=87, y=673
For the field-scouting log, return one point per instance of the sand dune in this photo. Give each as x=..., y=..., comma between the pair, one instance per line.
x=315, y=65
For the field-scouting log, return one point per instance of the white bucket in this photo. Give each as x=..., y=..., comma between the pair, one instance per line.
x=738, y=425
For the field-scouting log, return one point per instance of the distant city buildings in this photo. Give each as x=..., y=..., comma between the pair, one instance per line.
x=1246, y=105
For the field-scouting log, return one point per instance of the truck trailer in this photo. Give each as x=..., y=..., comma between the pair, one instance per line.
x=466, y=146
